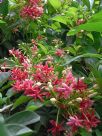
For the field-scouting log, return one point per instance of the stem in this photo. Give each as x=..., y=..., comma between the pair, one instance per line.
x=57, y=115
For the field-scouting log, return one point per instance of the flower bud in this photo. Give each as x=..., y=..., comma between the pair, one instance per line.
x=53, y=100
x=38, y=83
x=79, y=99
x=39, y=55
x=93, y=94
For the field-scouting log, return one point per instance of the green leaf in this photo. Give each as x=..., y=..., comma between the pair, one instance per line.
x=86, y=55
x=21, y=100
x=90, y=36
x=18, y=130
x=3, y=130
x=4, y=7
x=98, y=132
x=87, y=3
x=94, y=24
x=43, y=48
x=4, y=76
x=10, y=92
x=24, y=118
x=2, y=22
x=55, y=3
x=85, y=133
x=32, y=106
x=96, y=17
x=61, y=19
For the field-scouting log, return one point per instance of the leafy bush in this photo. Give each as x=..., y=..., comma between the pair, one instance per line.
x=50, y=85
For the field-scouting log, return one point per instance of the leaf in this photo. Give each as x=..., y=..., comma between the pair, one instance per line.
x=4, y=7
x=98, y=133
x=94, y=24
x=2, y=22
x=86, y=55
x=24, y=118
x=43, y=48
x=85, y=133
x=32, y=106
x=90, y=36
x=96, y=17
x=10, y=92
x=61, y=19
x=87, y=3
x=18, y=130
x=55, y=3
x=22, y=99
x=4, y=77
x=3, y=130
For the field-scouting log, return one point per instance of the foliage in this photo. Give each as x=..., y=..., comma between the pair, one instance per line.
x=49, y=46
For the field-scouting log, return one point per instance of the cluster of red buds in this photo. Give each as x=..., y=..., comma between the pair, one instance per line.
x=33, y=9
x=41, y=81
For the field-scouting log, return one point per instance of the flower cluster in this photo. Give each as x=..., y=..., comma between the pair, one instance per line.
x=32, y=10
x=41, y=81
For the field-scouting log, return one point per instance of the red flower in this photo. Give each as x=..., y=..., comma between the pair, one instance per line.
x=89, y=120
x=80, y=85
x=64, y=91
x=70, y=79
x=18, y=74
x=32, y=10
x=85, y=104
x=56, y=128
x=74, y=122
x=43, y=73
x=59, y=52
x=18, y=54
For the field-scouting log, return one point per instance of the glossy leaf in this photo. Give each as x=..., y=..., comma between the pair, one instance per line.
x=55, y=3
x=87, y=3
x=61, y=19
x=21, y=100
x=4, y=77
x=87, y=55
x=18, y=130
x=24, y=118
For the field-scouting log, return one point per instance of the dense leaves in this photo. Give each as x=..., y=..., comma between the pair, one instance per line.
x=51, y=68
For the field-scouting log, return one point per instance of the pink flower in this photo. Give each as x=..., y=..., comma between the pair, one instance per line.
x=18, y=86
x=59, y=52
x=34, y=92
x=90, y=120
x=64, y=91
x=80, y=85
x=74, y=122
x=43, y=73
x=56, y=128
x=18, y=74
x=86, y=104
x=70, y=79
x=18, y=54
x=32, y=10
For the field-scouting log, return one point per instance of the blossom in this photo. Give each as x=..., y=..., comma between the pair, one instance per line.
x=80, y=85
x=89, y=120
x=70, y=79
x=56, y=128
x=32, y=10
x=59, y=52
x=74, y=122
x=18, y=74
x=64, y=90
x=86, y=104
x=18, y=54
x=43, y=73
